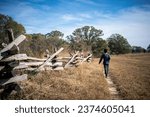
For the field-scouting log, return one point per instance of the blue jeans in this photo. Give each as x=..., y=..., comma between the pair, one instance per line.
x=106, y=69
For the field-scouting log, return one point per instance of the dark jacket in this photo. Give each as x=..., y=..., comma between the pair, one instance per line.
x=106, y=58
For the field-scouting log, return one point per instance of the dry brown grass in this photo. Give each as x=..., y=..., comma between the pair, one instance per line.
x=131, y=74
x=84, y=82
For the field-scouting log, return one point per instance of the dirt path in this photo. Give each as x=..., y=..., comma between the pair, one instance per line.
x=112, y=88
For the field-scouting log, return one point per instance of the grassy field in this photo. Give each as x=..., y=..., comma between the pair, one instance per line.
x=83, y=82
x=130, y=74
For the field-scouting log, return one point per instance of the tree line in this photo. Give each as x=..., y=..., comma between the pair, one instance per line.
x=86, y=38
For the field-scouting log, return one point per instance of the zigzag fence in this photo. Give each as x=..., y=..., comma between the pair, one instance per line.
x=12, y=63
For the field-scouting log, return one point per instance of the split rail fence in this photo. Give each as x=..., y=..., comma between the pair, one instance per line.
x=14, y=66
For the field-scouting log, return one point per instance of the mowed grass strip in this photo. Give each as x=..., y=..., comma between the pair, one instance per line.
x=131, y=74
x=85, y=82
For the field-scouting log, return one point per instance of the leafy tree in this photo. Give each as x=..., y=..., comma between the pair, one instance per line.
x=98, y=46
x=38, y=43
x=7, y=22
x=138, y=49
x=56, y=34
x=74, y=44
x=28, y=36
x=55, y=39
x=35, y=47
x=118, y=44
x=37, y=36
x=83, y=38
x=148, y=48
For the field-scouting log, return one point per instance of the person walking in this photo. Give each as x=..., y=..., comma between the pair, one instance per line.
x=106, y=59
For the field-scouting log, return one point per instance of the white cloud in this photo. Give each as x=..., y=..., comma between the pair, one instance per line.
x=76, y=17
x=68, y=17
x=133, y=24
x=85, y=15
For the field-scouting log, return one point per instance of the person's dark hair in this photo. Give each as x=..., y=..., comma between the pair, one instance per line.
x=105, y=50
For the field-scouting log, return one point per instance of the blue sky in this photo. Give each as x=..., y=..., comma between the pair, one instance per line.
x=130, y=18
